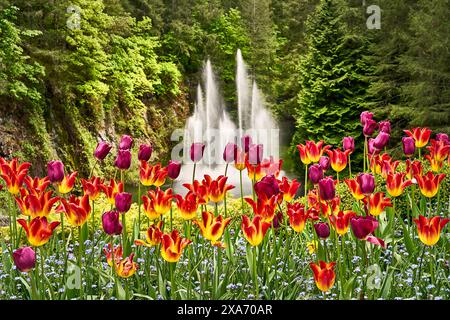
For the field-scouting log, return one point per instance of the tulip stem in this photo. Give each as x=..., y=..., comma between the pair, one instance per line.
x=306, y=186
x=226, y=169
x=80, y=250
x=193, y=173
x=92, y=170
x=113, y=261
x=41, y=251
x=365, y=153
x=93, y=220
x=254, y=182
x=139, y=208
x=171, y=209
x=349, y=167
x=421, y=261
x=242, y=192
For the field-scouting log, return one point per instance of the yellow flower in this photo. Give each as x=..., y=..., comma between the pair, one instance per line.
x=312, y=246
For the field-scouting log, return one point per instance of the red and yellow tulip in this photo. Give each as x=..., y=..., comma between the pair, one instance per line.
x=254, y=230
x=272, y=167
x=153, y=236
x=13, y=174
x=376, y=162
x=217, y=188
x=288, y=189
x=388, y=166
x=324, y=275
x=338, y=159
x=187, y=206
x=341, y=221
x=396, y=183
x=111, y=190
x=36, y=185
x=439, y=150
x=420, y=136
x=152, y=175
x=172, y=246
x=157, y=203
x=92, y=187
x=311, y=151
x=256, y=172
x=126, y=267
x=376, y=203
x=38, y=230
x=36, y=204
x=239, y=162
x=264, y=207
x=354, y=188
x=68, y=183
x=200, y=190
x=435, y=165
x=77, y=210
x=429, y=230
x=413, y=168
x=117, y=254
x=297, y=216
x=212, y=228
x=429, y=183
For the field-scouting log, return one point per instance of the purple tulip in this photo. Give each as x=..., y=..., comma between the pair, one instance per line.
x=230, y=152
x=381, y=140
x=315, y=173
x=277, y=220
x=126, y=142
x=325, y=163
x=363, y=226
x=409, y=146
x=173, y=169
x=369, y=127
x=246, y=142
x=102, y=150
x=123, y=201
x=327, y=189
x=197, y=150
x=111, y=223
x=371, y=147
x=322, y=229
x=24, y=259
x=123, y=160
x=145, y=152
x=255, y=154
x=55, y=171
x=443, y=137
x=348, y=143
x=385, y=126
x=267, y=186
x=364, y=116
x=366, y=182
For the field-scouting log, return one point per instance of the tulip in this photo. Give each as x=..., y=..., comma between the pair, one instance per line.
x=442, y=137
x=395, y=184
x=364, y=116
x=338, y=159
x=264, y=206
x=126, y=142
x=37, y=184
x=435, y=165
x=123, y=160
x=381, y=140
x=13, y=174
x=341, y=221
x=327, y=189
x=230, y=152
x=153, y=175
x=199, y=190
x=111, y=223
x=217, y=188
x=212, y=228
x=429, y=230
x=376, y=162
x=297, y=216
x=254, y=230
x=187, y=206
x=362, y=227
x=413, y=168
x=157, y=203
x=126, y=268
x=118, y=252
x=420, y=136
x=371, y=148
x=369, y=127
x=67, y=183
x=388, y=166
x=348, y=143
x=246, y=142
x=429, y=183
x=255, y=154
x=24, y=259
x=267, y=185
x=102, y=150
x=324, y=163
x=145, y=152
x=55, y=171
x=271, y=167
x=172, y=246
x=385, y=126
x=322, y=230
x=315, y=150
x=36, y=204
x=153, y=236
x=76, y=210
x=123, y=201
x=439, y=150
x=303, y=154
x=324, y=275
x=38, y=230
x=173, y=169
x=408, y=146
x=354, y=188
x=288, y=189
x=111, y=190
x=256, y=172
x=315, y=173
x=239, y=162
x=366, y=183
x=376, y=203
x=92, y=187
x=197, y=150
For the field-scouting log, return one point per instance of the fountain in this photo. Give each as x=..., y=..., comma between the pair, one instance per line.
x=211, y=125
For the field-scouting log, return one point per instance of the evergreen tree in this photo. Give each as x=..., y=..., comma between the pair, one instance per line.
x=331, y=78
